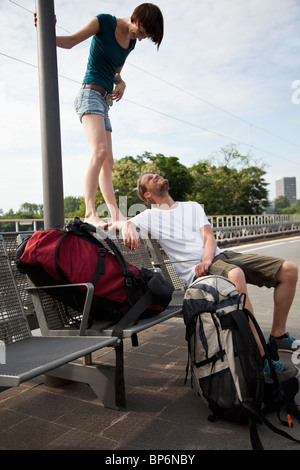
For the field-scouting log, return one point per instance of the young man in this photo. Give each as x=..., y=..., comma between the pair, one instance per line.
x=187, y=237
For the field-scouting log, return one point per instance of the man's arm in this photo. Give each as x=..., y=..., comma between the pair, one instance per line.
x=131, y=237
x=210, y=246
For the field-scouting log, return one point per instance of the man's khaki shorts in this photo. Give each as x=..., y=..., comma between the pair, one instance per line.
x=258, y=270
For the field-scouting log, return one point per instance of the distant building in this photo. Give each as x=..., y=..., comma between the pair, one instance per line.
x=287, y=187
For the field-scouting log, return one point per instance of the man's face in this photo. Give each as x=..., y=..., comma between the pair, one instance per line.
x=155, y=185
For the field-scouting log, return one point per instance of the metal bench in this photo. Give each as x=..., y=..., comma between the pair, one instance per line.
x=10, y=239
x=24, y=356
x=57, y=319
x=163, y=264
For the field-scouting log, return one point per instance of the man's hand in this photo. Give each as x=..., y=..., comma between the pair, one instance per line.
x=130, y=235
x=203, y=268
x=210, y=248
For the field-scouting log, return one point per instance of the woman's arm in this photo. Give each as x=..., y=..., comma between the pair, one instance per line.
x=67, y=42
x=120, y=85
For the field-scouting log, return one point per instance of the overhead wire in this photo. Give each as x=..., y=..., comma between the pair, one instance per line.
x=187, y=92
x=174, y=117
x=219, y=134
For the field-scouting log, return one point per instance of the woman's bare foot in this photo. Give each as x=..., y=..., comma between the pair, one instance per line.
x=96, y=221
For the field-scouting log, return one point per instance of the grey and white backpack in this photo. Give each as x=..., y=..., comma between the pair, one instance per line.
x=224, y=359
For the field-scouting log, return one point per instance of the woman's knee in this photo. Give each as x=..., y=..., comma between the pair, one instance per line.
x=99, y=156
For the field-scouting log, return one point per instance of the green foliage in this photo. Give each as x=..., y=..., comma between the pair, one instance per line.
x=30, y=211
x=128, y=169
x=281, y=203
x=180, y=179
x=228, y=183
x=234, y=187
x=26, y=211
x=72, y=206
x=292, y=209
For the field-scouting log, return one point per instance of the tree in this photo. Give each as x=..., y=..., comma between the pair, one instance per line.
x=127, y=170
x=72, y=206
x=180, y=178
x=254, y=191
x=234, y=187
x=292, y=209
x=281, y=203
x=125, y=175
x=227, y=183
x=30, y=211
x=8, y=215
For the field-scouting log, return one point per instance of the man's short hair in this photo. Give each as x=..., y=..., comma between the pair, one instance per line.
x=141, y=188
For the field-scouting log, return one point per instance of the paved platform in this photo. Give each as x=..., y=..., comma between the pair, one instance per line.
x=162, y=413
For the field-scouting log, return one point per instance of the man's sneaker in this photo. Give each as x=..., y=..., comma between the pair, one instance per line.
x=286, y=343
x=283, y=371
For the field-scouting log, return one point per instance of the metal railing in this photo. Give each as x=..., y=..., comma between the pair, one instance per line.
x=235, y=227
x=225, y=227
x=218, y=221
x=22, y=225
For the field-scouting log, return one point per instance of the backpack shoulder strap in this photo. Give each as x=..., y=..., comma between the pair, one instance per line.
x=239, y=318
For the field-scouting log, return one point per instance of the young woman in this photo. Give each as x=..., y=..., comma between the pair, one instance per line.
x=113, y=39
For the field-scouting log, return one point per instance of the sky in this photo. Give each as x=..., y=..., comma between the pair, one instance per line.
x=227, y=72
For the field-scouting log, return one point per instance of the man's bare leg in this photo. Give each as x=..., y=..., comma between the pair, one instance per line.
x=284, y=293
x=237, y=276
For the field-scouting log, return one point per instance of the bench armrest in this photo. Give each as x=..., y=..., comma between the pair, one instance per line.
x=87, y=304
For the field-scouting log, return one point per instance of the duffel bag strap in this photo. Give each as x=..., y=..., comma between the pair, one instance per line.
x=133, y=313
x=100, y=266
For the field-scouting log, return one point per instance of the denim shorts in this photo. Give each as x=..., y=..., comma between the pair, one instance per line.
x=259, y=270
x=89, y=101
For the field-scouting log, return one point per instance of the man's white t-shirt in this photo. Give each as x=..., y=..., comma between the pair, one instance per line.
x=179, y=231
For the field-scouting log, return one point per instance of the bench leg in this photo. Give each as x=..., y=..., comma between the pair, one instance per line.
x=107, y=382
x=119, y=377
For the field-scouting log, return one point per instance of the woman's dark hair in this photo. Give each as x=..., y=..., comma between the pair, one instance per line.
x=150, y=17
